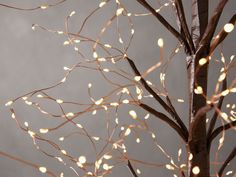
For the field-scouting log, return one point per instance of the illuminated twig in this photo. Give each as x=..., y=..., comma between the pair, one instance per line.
x=33, y=8
x=27, y=163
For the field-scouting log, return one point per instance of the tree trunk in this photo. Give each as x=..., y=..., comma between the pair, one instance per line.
x=197, y=142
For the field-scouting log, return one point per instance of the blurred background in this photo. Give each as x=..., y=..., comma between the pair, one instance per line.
x=34, y=59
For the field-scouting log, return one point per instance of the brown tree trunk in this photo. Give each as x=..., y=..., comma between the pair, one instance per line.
x=197, y=142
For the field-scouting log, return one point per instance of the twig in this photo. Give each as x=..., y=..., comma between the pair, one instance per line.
x=132, y=169
x=226, y=162
x=163, y=21
x=166, y=119
x=162, y=103
x=25, y=162
x=218, y=130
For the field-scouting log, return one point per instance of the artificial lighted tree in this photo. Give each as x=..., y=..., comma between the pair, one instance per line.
x=199, y=44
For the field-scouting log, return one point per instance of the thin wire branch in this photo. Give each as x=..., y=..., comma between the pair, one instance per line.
x=25, y=162
x=218, y=130
x=166, y=119
x=33, y=8
x=162, y=103
x=226, y=162
x=132, y=171
x=163, y=21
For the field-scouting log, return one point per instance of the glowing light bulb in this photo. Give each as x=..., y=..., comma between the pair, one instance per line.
x=202, y=61
x=160, y=42
x=43, y=169
x=82, y=159
x=229, y=27
x=196, y=170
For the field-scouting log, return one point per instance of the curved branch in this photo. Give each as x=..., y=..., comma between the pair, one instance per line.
x=199, y=115
x=226, y=162
x=163, y=21
x=214, y=117
x=166, y=119
x=221, y=36
x=132, y=169
x=211, y=27
x=218, y=130
x=172, y=112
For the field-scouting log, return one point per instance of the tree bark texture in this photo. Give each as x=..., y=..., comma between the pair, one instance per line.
x=197, y=76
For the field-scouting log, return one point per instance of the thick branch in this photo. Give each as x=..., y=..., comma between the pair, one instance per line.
x=226, y=162
x=214, y=117
x=166, y=119
x=162, y=103
x=220, y=129
x=200, y=10
x=132, y=171
x=199, y=115
x=183, y=24
x=163, y=21
x=221, y=36
x=211, y=27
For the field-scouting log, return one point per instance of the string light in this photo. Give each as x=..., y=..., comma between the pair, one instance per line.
x=196, y=170
x=229, y=27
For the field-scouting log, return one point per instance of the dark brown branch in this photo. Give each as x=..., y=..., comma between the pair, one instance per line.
x=199, y=115
x=226, y=162
x=162, y=103
x=211, y=27
x=178, y=119
x=163, y=21
x=221, y=36
x=132, y=171
x=214, y=117
x=166, y=119
x=183, y=24
x=220, y=129
x=200, y=10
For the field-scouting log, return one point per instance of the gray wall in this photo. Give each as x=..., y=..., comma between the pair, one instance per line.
x=31, y=60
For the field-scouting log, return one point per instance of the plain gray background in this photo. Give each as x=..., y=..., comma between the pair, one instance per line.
x=31, y=60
